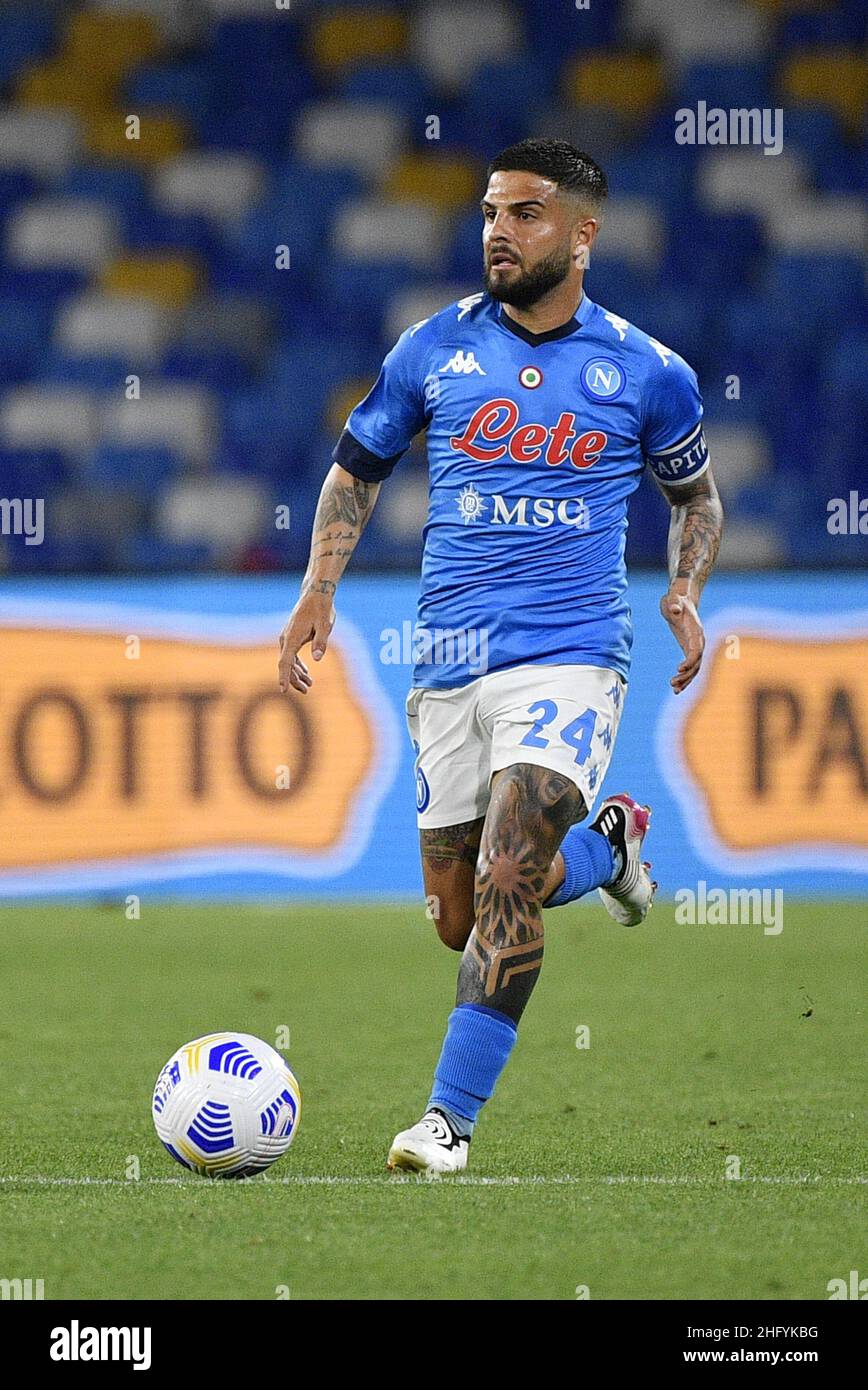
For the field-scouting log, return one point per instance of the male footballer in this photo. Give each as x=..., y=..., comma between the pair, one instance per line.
x=542, y=410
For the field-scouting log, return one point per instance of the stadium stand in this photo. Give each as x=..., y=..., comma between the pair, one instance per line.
x=216, y=217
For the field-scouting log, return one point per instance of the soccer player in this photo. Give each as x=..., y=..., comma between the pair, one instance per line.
x=541, y=409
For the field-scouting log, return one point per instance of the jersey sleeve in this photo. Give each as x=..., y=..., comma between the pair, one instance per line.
x=381, y=427
x=673, y=441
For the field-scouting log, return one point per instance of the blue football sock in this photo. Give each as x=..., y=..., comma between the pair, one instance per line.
x=475, y=1051
x=589, y=862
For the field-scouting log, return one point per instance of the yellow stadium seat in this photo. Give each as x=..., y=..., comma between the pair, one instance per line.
x=833, y=77
x=63, y=84
x=111, y=43
x=782, y=8
x=169, y=280
x=160, y=137
x=445, y=181
x=342, y=401
x=356, y=36
x=627, y=84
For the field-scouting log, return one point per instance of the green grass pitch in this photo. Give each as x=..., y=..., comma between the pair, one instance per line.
x=602, y=1166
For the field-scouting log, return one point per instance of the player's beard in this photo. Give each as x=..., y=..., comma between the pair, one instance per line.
x=527, y=289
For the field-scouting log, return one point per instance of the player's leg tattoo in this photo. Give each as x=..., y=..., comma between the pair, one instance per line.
x=448, y=866
x=531, y=809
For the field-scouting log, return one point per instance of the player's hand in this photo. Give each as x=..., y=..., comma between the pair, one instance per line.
x=680, y=612
x=312, y=621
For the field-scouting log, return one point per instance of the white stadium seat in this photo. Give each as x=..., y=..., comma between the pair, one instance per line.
x=699, y=30
x=413, y=305
x=73, y=232
x=95, y=324
x=450, y=38
x=216, y=185
x=739, y=455
x=827, y=225
x=748, y=180
x=44, y=140
x=47, y=417
x=403, y=505
x=365, y=136
x=750, y=544
x=179, y=417
x=221, y=510
x=368, y=229
x=633, y=231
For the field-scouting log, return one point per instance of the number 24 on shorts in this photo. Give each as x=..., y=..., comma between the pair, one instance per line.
x=577, y=734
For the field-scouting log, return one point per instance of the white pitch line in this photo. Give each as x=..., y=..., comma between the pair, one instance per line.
x=461, y=1180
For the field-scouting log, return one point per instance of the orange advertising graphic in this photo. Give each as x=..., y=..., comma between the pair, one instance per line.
x=109, y=749
x=776, y=742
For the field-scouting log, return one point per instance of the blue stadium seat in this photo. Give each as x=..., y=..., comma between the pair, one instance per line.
x=143, y=469
x=399, y=83
x=725, y=84
x=25, y=36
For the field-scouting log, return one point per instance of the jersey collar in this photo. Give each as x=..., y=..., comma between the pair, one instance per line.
x=579, y=319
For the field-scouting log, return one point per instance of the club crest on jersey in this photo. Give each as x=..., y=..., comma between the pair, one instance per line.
x=491, y=434
x=530, y=377
x=602, y=379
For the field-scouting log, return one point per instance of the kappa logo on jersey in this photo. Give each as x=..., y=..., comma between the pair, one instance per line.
x=463, y=363
x=491, y=433
x=602, y=379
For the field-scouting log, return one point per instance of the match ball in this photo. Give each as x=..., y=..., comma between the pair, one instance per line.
x=226, y=1105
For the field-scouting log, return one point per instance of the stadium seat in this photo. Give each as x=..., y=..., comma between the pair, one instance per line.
x=45, y=141
x=118, y=326
x=221, y=511
x=695, y=30
x=143, y=468
x=823, y=225
x=748, y=180
x=832, y=77
x=176, y=23
x=61, y=232
x=345, y=37
x=445, y=181
x=183, y=419
x=628, y=85
x=221, y=186
x=635, y=231
x=166, y=279
x=37, y=417
x=450, y=38
x=160, y=137
x=740, y=455
x=371, y=229
x=400, y=84
x=366, y=137
x=24, y=38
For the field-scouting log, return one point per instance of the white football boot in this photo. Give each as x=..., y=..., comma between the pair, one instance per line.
x=431, y=1146
x=624, y=823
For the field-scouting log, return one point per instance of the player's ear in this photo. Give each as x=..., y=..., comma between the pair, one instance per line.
x=585, y=233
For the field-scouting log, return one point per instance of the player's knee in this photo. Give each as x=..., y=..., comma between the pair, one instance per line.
x=512, y=864
x=454, y=925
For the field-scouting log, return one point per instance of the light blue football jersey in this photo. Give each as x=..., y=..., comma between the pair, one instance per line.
x=535, y=443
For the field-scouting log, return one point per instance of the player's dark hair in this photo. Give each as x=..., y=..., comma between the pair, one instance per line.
x=558, y=160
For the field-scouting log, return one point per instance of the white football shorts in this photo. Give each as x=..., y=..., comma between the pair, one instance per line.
x=560, y=717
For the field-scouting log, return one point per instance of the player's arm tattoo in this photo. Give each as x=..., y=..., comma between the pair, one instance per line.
x=695, y=528
x=344, y=507
x=530, y=811
x=450, y=844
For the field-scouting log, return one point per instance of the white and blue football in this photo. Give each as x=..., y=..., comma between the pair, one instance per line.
x=226, y=1105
